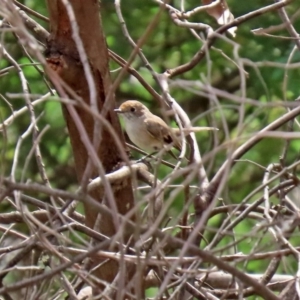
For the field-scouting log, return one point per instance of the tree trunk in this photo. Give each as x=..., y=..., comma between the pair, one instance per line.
x=66, y=60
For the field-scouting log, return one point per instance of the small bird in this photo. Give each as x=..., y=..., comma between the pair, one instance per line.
x=148, y=131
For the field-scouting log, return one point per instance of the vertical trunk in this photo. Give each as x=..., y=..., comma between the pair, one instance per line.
x=64, y=59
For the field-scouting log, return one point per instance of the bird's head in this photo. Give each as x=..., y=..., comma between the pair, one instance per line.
x=132, y=109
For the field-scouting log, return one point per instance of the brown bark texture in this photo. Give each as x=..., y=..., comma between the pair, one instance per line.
x=63, y=57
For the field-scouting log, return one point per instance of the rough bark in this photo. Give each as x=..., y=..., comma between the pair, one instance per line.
x=64, y=59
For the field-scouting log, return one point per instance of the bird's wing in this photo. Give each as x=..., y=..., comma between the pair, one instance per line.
x=159, y=129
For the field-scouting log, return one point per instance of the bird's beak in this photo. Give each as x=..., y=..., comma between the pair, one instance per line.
x=118, y=110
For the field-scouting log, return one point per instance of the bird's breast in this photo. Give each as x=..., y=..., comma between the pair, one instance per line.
x=140, y=136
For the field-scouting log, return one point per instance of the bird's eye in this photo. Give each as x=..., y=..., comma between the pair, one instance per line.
x=132, y=109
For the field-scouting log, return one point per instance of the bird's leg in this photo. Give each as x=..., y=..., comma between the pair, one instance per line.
x=172, y=154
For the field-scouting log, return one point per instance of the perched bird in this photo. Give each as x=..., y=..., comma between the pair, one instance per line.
x=148, y=131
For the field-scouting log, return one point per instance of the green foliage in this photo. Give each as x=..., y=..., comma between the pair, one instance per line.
x=168, y=46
